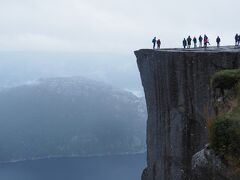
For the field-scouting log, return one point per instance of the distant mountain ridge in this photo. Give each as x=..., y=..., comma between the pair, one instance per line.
x=69, y=116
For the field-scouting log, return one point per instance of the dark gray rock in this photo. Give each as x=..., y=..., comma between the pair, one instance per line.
x=178, y=96
x=207, y=166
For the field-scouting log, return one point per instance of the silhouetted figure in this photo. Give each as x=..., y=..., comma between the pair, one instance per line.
x=184, y=43
x=200, y=39
x=218, y=40
x=195, y=42
x=238, y=40
x=158, y=43
x=189, y=41
x=154, y=42
x=206, y=41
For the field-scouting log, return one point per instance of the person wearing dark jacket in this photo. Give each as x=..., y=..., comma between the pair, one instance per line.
x=236, y=39
x=189, y=41
x=158, y=43
x=218, y=40
x=195, y=42
x=154, y=42
x=200, y=39
x=184, y=43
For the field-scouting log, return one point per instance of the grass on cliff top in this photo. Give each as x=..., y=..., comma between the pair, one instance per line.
x=225, y=129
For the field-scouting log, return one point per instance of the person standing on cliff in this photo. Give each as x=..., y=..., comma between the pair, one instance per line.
x=154, y=42
x=218, y=40
x=189, y=41
x=158, y=43
x=195, y=42
x=184, y=43
x=200, y=41
x=206, y=41
x=236, y=40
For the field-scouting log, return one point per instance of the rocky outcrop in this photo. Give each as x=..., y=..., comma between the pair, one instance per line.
x=207, y=166
x=178, y=96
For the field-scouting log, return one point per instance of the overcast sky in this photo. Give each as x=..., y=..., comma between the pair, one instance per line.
x=112, y=26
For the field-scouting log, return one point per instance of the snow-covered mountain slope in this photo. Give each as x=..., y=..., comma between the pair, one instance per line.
x=69, y=116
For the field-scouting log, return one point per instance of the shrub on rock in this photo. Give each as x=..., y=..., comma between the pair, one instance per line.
x=224, y=131
x=225, y=137
x=225, y=79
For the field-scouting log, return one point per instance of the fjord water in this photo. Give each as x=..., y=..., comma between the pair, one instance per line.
x=114, y=167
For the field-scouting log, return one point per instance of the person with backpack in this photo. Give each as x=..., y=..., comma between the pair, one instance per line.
x=189, y=41
x=195, y=42
x=236, y=39
x=158, y=43
x=184, y=43
x=154, y=42
x=218, y=40
x=200, y=39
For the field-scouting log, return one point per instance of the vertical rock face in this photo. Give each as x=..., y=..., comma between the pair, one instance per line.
x=178, y=96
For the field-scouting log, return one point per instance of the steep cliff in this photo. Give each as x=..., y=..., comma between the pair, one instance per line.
x=178, y=96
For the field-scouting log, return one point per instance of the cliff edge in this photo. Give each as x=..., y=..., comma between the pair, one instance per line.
x=178, y=95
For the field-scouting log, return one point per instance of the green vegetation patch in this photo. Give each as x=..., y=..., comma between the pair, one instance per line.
x=225, y=79
x=224, y=131
x=225, y=137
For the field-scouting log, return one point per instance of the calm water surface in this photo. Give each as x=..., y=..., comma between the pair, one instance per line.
x=122, y=167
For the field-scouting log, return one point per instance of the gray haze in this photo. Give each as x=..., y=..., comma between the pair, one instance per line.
x=118, y=70
x=58, y=117
x=96, y=39
x=112, y=26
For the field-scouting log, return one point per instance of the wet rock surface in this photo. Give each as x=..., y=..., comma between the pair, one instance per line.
x=177, y=89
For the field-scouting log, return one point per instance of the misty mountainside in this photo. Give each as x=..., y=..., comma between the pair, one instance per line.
x=70, y=116
x=19, y=67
